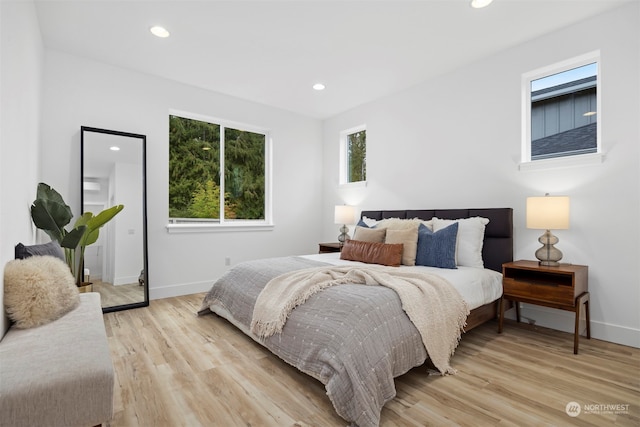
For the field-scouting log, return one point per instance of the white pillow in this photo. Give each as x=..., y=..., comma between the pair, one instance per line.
x=428, y=223
x=469, y=240
x=370, y=222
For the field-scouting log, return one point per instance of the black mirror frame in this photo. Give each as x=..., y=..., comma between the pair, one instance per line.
x=143, y=140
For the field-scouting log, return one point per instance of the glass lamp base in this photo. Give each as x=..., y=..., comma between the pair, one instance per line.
x=548, y=255
x=344, y=236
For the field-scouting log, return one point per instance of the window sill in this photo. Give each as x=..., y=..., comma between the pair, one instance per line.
x=359, y=184
x=215, y=228
x=563, y=162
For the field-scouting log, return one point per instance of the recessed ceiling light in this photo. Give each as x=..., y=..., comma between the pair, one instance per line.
x=589, y=113
x=114, y=148
x=159, y=31
x=318, y=86
x=477, y=4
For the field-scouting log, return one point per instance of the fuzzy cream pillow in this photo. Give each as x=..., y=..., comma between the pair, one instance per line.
x=38, y=290
x=399, y=224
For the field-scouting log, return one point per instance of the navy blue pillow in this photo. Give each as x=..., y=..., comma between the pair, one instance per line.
x=437, y=249
x=361, y=223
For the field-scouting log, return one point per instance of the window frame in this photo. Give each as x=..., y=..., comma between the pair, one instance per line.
x=198, y=224
x=526, y=163
x=344, y=158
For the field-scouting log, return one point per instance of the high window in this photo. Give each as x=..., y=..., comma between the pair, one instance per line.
x=217, y=172
x=562, y=110
x=353, y=155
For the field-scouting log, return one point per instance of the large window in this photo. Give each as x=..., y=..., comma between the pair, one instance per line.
x=562, y=110
x=217, y=172
x=353, y=155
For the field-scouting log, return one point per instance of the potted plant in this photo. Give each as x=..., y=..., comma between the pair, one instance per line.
x=51, y=214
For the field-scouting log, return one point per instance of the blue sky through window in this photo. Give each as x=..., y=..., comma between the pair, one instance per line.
x=565, y=77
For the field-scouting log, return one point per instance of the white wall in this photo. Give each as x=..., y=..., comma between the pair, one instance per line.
x=127, y=225
x=454, y=142
x=21, y=54
x=95, y=255
x=83, y=92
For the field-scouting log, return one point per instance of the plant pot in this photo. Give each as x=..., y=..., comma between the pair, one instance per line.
x=86, y=287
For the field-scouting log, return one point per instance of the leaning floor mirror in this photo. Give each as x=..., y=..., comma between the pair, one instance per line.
x=113, y=171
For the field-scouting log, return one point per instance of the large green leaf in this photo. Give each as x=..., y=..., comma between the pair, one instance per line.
x=50, y=213
x=103, y=217
x=50, y=217
x=94, y=223
x=83, y=220
x=73, y=238
x=47, y=193
x=53, y=201
x=90, y=236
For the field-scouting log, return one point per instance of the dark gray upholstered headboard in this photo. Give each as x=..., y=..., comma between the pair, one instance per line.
x=498, y=236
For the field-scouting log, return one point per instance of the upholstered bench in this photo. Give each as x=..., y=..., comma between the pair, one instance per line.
x=59, y=373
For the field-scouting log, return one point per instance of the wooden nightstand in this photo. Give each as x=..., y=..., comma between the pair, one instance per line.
x=564, y=287
x=329, y=247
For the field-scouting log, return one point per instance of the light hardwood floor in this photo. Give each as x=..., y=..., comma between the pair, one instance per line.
x=118, y=295
x=176, y=369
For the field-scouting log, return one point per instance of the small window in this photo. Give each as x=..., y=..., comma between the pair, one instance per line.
x=562, y=111
x=353, y=155
x=217, y=172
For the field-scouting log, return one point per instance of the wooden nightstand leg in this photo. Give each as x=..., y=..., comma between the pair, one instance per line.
x=517, y=304
x=500, y=314
x=581, y=299
x=587, y=298
x=576, y=333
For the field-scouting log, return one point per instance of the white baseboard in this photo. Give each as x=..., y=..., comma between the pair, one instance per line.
x=125, y=280
x=562, y=320
x=178, y=290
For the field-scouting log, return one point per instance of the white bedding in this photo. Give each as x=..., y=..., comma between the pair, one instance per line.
x=477, y=286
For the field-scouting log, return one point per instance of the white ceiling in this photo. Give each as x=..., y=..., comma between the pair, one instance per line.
x=272, y=52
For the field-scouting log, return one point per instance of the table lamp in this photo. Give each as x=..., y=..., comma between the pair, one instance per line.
x=344, y=215
x=548, y=213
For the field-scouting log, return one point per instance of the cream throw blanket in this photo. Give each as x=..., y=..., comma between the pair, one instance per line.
x=433, y=305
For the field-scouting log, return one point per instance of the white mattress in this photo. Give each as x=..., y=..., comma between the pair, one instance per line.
x=477, y=286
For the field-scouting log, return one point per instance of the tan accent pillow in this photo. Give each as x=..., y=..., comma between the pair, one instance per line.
x=364, y=234
x=409, y=240
x=38, y=290
x=372, y=253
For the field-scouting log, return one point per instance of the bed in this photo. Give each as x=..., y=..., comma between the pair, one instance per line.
x=354, y=338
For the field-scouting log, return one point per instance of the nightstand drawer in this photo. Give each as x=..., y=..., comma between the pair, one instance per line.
x=324, y=248
x=560, y=294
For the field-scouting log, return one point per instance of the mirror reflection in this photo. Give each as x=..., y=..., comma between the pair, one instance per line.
x=113, y=172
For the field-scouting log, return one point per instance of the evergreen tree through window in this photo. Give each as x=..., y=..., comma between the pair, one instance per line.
x=216, y=172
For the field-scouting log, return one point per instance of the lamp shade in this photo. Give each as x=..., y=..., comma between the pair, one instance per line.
x=548, y=212
x=344, y=214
